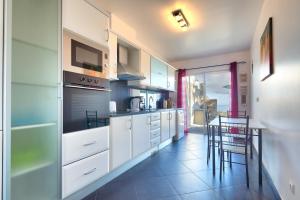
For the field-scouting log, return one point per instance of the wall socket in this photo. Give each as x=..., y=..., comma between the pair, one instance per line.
x=292, y=187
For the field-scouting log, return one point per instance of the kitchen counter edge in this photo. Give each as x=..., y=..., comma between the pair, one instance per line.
x=121, y=114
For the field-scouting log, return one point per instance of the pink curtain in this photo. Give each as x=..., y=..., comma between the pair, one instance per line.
x=234, y=106
x=181, y=95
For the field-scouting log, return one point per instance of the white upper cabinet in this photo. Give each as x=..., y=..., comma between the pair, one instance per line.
x=158, y=74
x=82, y=18
x=120, y=138
x=113, y=56
x=140, y=134
x=145, y=67
x=171, y=78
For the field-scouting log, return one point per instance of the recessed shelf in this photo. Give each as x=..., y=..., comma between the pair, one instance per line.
x=32, y=126
x=27, y=170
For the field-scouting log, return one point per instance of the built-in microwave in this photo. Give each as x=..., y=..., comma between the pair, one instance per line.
x=85, y=57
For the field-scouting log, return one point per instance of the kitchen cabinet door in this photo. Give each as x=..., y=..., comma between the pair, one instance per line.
x=120, y=142
x=165, y=126
x=158, y=74
x=171, y=78
x=172, y=123
x=84, y=19
x=35, y=100
x=145, y=67
x=140, y=134
x=113, y=56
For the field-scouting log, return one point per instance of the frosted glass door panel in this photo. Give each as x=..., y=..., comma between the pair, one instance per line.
x=33, y=64
x=35, y=69
x=217, y=92
x=158, y=73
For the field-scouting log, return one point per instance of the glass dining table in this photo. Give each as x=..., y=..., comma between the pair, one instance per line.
x=254, y=125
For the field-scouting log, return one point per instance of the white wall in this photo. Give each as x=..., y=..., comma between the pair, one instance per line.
x=217, y=60
x=276, y=100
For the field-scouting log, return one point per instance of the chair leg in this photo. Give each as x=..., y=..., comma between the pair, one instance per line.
x=247, y=173
x=223, y=153
x=208, y=152
x=221, y=162
x=251, y=144
x=230, y=159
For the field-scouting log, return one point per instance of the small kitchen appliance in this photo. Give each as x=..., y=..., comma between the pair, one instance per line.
x=135, y=103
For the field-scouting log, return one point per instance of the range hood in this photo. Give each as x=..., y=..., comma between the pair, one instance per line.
x=125, y=71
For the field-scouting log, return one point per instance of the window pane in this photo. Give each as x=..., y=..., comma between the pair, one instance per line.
x=218, y=92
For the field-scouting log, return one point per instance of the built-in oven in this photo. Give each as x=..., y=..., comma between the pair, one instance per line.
x=84, y=56
x=85, y=103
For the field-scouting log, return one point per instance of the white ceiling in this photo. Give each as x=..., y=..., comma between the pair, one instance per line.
x=216, y=26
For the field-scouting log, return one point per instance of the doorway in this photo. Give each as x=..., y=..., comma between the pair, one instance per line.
x=207, y=90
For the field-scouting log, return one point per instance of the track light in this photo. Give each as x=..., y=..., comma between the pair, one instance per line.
x=180, y=18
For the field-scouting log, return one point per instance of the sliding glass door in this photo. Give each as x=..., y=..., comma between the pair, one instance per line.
x=207, y=90
x=34, y=100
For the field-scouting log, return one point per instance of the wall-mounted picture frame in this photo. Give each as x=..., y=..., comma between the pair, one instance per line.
x=243, y=78
x=244, y=92
x=266, y=51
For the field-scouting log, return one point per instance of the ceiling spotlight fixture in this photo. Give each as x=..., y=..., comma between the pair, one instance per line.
x=180, y=18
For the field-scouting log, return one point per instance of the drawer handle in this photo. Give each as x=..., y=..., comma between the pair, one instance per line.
x=89, y=172
x=89, y=144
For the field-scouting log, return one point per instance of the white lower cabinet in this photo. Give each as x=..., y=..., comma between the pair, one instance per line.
x=172, y=123
x=121, y=140
x=168, y=124
x=155, y=142
x=81, y=144
x=81, y=173
x=165, y=126
x=85, y=158
x=140, y=134
x=155, y=133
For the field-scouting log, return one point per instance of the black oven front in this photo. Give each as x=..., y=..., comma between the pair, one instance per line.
x=85, y=103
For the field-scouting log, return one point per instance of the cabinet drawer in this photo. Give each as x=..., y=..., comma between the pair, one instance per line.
x=81, y=144
x=155, y=142
x=155, y=125
x=155, y=133
x=79, y=174
x=155, y=116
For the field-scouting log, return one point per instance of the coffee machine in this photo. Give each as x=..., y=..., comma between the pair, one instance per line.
x=137, y=104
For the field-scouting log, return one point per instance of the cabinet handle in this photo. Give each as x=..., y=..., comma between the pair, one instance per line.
x=89, y=172
x=171, y=116
x=107, y=38
x=89, y=144
x=129, y=124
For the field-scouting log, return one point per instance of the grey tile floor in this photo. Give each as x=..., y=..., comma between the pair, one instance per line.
x=180, y=172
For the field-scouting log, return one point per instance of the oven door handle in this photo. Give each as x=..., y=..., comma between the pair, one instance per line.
x=87, y=88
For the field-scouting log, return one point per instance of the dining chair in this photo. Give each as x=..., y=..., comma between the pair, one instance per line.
x=243, y=114
x=234, y=143
x=240, y=114
x=91, y=119
x=209, y=137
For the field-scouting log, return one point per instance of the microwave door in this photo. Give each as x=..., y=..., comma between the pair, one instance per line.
x=86, y=57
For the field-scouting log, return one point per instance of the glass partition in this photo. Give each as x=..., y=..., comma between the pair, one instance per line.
x=207, y=91
x=34, y=94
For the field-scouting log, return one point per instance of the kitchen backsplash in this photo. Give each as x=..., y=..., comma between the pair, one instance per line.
x=121, y=93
